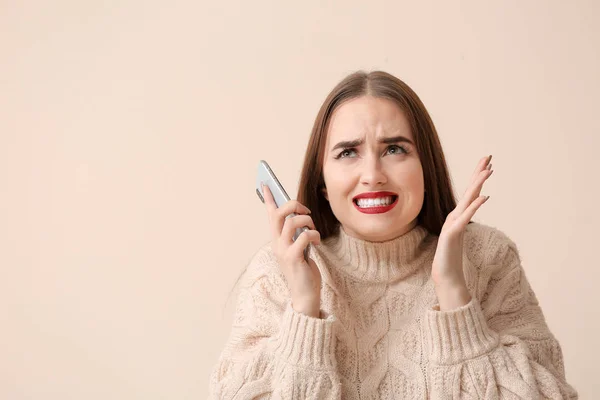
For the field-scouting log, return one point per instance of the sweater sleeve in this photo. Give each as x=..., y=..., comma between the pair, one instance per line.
x=499, y=347
x=274, y=352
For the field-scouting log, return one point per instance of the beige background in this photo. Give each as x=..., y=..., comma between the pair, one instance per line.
x=130, y=132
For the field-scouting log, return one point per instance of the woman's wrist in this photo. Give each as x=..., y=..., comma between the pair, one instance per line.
x=451, y=297
x=309, y=307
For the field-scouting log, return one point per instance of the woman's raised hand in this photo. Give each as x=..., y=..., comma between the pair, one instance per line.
x=447, y=268
x=303, y=277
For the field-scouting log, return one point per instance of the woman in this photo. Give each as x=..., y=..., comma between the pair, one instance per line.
x=402, y=297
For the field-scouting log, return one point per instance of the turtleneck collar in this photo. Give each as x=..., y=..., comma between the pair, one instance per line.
x=379, y=262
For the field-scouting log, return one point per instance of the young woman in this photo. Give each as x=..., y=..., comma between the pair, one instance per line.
x=403, y=296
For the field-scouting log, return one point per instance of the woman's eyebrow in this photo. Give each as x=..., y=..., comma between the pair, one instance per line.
x=358, y=142
x=395, y=139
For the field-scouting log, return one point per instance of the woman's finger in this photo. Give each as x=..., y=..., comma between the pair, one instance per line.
x=277, y=216
x=293, y=223
x=474, y=190
x=292, y=206
x=306, y=237
x=481, y=165
x=271, y=207
x=465, y=217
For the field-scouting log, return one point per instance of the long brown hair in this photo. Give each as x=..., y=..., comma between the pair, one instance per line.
x=439, y=198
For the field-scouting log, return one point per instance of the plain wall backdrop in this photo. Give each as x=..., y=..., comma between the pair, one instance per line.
x=130, y=132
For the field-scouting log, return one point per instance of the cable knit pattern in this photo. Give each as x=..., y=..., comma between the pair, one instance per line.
x=381, y=334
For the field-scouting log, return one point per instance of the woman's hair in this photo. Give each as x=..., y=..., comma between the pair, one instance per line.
x=439, y=198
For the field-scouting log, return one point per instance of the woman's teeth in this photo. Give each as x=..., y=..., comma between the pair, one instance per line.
x=378, y=202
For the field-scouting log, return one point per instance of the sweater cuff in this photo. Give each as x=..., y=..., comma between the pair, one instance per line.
x=305, y=340
x=458, y=335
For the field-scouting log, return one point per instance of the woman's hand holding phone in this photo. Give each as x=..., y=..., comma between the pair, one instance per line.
x=302, y=275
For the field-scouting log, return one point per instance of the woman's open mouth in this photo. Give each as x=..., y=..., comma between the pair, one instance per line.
x=376, y=206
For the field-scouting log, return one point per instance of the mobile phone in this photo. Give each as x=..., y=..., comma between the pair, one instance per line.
x=265, y=175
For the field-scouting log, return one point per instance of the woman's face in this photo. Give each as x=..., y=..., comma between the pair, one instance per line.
x=370, y=150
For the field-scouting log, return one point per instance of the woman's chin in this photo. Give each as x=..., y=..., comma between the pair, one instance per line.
x=374, y=231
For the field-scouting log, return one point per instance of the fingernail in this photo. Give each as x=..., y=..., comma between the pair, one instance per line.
x=487, y=197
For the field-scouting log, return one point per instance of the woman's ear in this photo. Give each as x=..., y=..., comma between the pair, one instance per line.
x=324, y=190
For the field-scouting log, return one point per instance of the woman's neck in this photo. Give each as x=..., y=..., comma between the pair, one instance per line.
x=383, y=261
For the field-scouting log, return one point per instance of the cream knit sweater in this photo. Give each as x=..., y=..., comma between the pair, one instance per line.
x=381, y=336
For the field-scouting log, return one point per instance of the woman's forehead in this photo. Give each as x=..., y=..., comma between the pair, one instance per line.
x=367, y=118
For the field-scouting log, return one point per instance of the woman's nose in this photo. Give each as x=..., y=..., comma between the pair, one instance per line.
x=372, y=173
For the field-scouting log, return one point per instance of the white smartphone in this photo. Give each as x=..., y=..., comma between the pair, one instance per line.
x=265, y=175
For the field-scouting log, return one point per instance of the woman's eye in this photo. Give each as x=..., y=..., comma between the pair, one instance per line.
x=345, y=153
x=397, y=149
